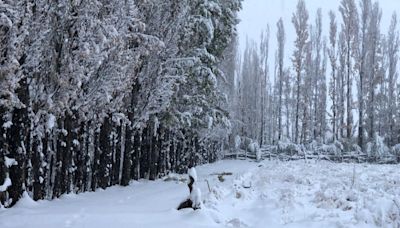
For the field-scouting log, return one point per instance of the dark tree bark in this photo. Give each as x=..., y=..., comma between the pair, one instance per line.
x=3, y=152
x=144, y=155
x=18, y=140
x=86, y=175
x=80, y=153
x=127, y=162
x=117, y=141
x=3, y=172
x=136, y=155
x=105, y=154
x=68, y=167
x=96, y=162
x=38, y=188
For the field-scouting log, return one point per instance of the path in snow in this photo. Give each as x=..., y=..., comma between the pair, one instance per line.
x=266, y=194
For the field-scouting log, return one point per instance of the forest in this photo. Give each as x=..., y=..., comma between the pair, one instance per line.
x=338, y=99
x=97, y=93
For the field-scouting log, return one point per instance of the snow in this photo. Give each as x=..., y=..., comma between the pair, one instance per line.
x=7, y=124
x=255, y=148
x=5, y=185
x=250, y=194
x=193, y=173
x=238, y=141
x=10, y=162
x=195, y=197
x=51, y=122
x=210, y=122
x=75, y=142
x=26, y=202
x=377, y=147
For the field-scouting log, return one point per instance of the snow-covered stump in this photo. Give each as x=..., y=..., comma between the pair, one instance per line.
x=194, y=200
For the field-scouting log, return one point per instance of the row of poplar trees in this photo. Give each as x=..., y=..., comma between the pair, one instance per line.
x=343, y=87
x=95, y=93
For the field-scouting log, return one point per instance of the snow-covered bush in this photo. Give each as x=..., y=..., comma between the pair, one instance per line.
x=339, y=146
x=288, y=148
x=332, y=151
x=313, y=146
x=245, y=142
x=377, y=149
x=396, y=151
x=255, y=149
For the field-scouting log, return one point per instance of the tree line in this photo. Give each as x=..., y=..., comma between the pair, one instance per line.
x=96, y=93
x=340, y=90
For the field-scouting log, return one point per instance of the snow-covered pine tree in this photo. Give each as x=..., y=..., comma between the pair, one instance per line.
x=14, y=96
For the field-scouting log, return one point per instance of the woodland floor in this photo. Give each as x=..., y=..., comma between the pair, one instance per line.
x=243, y=194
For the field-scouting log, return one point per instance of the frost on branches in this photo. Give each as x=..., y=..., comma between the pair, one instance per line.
x=97, y=93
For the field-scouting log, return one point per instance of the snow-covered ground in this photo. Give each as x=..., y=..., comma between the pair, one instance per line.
x=266, y=194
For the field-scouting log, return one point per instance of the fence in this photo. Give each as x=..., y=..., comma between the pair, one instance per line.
x=273, y=153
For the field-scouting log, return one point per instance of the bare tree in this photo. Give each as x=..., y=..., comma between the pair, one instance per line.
x=318, y=78
x=333, y=85
x=362, y=60
x=393, y=42
x=280, y=36
x=287, y=90
x=374, y=66
x=264, y=46
x=300, y=22
x=348, y=9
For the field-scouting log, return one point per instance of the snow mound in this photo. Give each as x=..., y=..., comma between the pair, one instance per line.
x=26, y=201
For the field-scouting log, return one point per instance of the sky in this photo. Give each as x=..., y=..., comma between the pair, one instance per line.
x=256, y=15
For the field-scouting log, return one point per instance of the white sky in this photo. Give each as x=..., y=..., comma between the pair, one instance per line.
x=257, y=14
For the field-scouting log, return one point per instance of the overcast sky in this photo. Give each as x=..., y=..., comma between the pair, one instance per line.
x=257, y=14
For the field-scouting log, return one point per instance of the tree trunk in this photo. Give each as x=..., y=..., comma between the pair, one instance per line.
x=18, y=140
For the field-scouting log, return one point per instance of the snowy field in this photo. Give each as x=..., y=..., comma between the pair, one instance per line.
x=267, y=194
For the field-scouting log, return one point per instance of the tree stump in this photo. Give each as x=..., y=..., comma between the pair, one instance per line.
x=194, y=200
